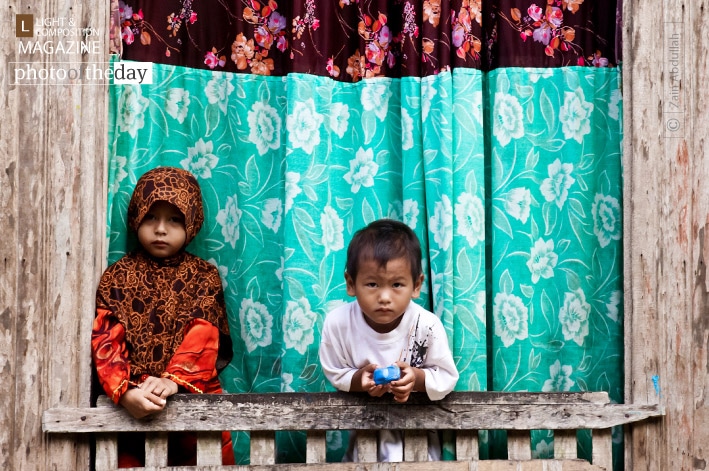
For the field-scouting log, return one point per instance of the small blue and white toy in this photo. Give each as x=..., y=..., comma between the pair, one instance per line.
x=387, y=374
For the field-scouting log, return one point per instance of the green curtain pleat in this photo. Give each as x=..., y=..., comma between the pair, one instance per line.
x=556, y=224
x=512, y=180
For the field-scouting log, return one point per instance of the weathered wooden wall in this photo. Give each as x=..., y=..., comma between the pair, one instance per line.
x=52, y=153
x=666, y=228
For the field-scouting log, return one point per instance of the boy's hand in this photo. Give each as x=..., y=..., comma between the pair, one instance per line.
x=412, y=379
x=363, y=380
x=140, y=403
x=161, y=387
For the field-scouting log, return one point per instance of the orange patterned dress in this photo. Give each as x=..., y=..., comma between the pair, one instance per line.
x=162, y=317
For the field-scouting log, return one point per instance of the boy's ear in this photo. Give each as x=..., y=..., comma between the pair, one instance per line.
x=418, y=283
x=350, y=285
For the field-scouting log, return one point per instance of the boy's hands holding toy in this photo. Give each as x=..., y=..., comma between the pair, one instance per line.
x=380, y=380
x=363, y=380
x=412, y=379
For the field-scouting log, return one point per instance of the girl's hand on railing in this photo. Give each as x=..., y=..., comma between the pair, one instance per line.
x=161, y=387
x=140, y=403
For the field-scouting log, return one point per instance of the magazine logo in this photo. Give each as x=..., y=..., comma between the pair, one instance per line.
x=70, y=73
x=132, y=73
x=24, y=26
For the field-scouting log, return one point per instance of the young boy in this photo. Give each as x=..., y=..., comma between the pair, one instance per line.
x=161, y=325
x=385, y=327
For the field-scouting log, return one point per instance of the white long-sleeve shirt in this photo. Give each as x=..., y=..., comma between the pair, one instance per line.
x=348, y=343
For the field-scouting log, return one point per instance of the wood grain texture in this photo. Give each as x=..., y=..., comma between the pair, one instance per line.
x=665, y=222
x=316, y=446
x=263, y=447
x=602, y=448
x=492, y=465
x=519, y=445
x=466, y=445
x=209, y=448
x=338, y=411
x=565, y=444
x=52, y=152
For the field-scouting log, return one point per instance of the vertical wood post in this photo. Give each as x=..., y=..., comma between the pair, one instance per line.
x=52, y=154
x=666, y=208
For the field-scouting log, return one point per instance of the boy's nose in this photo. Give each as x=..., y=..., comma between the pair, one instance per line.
x=384, y=296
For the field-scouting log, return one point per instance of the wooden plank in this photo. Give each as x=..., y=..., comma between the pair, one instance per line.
x=602, y=448
x=29, y=336
x=11, y=102
x=316, y=446
x=106, y=452
x=9, y=251
x=565, y=444
x=415, y=445
x=366, y=443
x=519, y=445
x=466, y=445
x=698, y=113
x=665, y=217
x=487, y=465
x=34, y=201
x=156, y=449
x=263, y=447
x=534, y=465
x=457, y=397
x=52, y=148
x=209, y=448
x=288, y=412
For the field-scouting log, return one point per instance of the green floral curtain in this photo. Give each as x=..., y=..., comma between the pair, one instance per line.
x=507, y=168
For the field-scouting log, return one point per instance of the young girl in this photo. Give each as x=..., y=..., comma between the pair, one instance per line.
x=161, y=325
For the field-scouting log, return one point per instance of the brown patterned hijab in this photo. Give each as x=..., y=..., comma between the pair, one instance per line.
x=173, y=185
x=156, y=299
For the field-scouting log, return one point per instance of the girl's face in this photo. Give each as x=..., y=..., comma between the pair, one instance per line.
x=162, y=231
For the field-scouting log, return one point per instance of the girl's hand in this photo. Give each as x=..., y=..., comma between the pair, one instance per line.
x=161, y=387
x=140, y=403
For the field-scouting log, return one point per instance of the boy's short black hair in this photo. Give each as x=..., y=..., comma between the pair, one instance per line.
x=384, y=240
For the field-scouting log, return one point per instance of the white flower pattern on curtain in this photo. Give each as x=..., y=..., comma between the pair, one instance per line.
x=511, y=178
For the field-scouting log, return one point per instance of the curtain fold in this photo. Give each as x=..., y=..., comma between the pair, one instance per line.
x=493, y=129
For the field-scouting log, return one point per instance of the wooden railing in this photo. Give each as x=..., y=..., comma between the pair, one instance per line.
x=262, y=415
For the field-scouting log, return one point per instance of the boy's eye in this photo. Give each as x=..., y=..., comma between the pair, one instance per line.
x=398, y=285
x=371, y=284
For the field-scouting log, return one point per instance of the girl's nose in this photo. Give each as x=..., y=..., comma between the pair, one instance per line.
x=160, y=228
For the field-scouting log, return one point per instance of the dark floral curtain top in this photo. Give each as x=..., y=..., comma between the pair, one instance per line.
x=353, y=39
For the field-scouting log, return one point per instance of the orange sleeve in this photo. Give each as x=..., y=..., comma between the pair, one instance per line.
x=193, y=365
x=110, y=355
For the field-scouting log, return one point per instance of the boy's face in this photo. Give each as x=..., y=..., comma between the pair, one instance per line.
x=162, y=231
x=383, y=293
